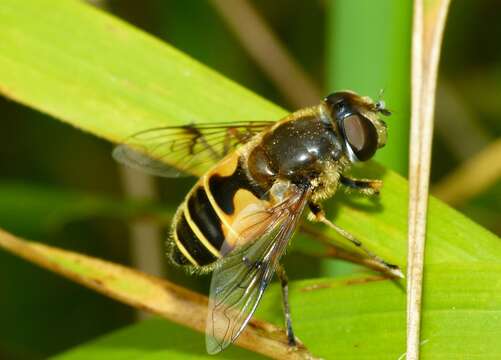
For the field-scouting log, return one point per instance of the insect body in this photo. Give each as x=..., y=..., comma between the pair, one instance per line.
x=259, y=177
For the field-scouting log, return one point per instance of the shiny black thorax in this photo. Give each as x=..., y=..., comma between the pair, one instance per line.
x=296, y=150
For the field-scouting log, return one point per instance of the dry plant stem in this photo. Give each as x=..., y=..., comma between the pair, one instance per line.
x=268, y=52
x=147, y=293
x=426, y=42
x=416, y=221
x=472, y=177
x=333, y=251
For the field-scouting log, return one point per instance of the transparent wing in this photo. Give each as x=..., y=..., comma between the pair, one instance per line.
x=239, y=282
x=179, y=150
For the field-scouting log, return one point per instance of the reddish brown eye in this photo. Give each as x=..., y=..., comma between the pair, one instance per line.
x=361, y=136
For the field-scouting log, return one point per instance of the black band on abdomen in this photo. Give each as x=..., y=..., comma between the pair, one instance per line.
x=205, y=218
x=192, y=244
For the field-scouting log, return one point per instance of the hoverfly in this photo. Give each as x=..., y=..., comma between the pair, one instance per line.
x=259, y=177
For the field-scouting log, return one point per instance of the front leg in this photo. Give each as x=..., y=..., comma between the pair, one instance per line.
x=365, y=186
x=319, y=215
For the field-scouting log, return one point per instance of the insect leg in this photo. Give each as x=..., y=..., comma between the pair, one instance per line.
x=285, y=299
x=365, y=186
x=319, y=215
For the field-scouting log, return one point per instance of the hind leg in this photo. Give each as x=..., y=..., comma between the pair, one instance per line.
x=284, y=282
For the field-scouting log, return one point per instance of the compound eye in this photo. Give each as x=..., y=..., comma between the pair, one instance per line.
x=361, y=136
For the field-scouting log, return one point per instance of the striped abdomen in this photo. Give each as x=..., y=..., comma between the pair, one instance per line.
x=209, y=214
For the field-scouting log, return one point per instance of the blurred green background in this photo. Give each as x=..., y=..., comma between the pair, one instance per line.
x=60, y=186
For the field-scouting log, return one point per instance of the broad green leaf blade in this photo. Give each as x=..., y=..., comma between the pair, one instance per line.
x=96, y=72
x=364, y=318
x=148, y=340
x=358, y=317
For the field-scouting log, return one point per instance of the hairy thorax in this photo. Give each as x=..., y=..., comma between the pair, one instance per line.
x=304, y=151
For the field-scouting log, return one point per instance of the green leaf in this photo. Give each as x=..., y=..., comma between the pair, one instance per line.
x=358, y=317
x=353, y=319
x=151, y=339
x=103, y=76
